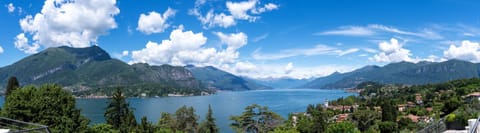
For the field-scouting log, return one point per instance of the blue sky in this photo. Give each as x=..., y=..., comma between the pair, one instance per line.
x=256, y=38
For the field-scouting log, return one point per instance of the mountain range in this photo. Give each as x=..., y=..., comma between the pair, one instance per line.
x=88, y=68
x=92, y=67
x=400, y=73
x=214, y=78
x=80, y=69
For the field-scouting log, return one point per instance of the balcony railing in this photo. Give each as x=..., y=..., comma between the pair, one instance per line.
x=15, y=126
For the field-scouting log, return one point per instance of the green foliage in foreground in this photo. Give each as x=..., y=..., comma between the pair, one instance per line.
x=12, y=85
x=48, y=105
x=256, y=119
x=342, y=127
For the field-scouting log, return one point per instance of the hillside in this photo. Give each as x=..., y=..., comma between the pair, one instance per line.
x=400, y=73
x=215, y=78
x=81, y=69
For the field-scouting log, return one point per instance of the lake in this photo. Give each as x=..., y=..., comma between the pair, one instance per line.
x=224, y=104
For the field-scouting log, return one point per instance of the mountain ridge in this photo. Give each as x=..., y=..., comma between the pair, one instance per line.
x=91, y=67
x=400, y=73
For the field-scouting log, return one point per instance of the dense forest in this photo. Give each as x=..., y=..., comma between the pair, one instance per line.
x=378, y=108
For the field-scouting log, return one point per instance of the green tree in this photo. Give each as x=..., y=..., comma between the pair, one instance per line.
x=208, y=125
x=319, y=119
x=118, y=113
x=103, y=128
x=342, y=127
x=388, y=127
x=450, y=105
x=12, y=85
x=389, y=110
x=286, y=130
x=405, y=123
x=364, y=119
x=256, y=119
x=186, y=120
x=316, y=120
x=166, y=121
x=129, y=123
x=49, y=105
x=145, y=126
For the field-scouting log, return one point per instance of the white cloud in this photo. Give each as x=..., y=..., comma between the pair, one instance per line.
x=21, y=43
x=244, y=67
x=212, y=19
x=374, y=29
x=10, y=7
x=154, y=22
x=1, y=49
x=237, y=11
x=467, y=50
x=289, y=68
x=125, y=53
x=349, y=31
x=348, y=51
x=279, y=71
x=317, y=50
x=370, y=50
x=69, y=23
x=259, y=38
x=234, y=40
x=187, y=47
x=392, y=51
x=266, y=7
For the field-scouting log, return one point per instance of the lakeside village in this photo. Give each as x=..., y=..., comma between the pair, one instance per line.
x=446, y=107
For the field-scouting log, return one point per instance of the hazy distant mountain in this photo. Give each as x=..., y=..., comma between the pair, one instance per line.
x=402, y=73
x=281, y=83
x=221, y=80
x=92, y=67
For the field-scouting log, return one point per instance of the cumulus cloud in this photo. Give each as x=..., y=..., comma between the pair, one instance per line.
x=21, y=43
x=1, y=49
x=69, y=23
x=317, y=50
x=10, y=7
x=237, y=11
x=154, y=22
x=187, y=47
x=233, y=40
x=467, y=50
x=266, y=7
x=392, y=51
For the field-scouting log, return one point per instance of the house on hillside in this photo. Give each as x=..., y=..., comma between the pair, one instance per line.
x=418, y=99
x=472, y=96
x=401, y=107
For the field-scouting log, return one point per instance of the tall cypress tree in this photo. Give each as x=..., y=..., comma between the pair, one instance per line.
x=208, y=125
x=12, y=85
x=118, y=110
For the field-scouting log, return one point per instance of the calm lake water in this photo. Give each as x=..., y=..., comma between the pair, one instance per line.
x=224, y=104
